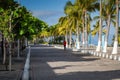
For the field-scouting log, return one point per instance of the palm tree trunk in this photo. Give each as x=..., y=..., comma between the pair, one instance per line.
x=107, y=35
x=83, y=34
x=86, y=39
x=80, y=35
x=66, y=37
x=100, y=30
x=115, y=47
x=77, y=37
x=70, y=37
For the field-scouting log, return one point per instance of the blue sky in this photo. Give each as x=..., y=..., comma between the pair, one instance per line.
x=47, y=10
x=51, y=10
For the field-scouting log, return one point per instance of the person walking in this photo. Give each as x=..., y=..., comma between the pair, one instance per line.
x=64, y=43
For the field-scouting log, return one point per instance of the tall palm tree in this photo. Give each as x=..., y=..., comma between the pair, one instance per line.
x=72, y=11
x=88, y=24
x=118, y=36
x=100, y=29
x=52, y=32
x=108, y=13
x=115, y=47
x=68, y=10
x=86, y=6
x=63, y=28
x=75, y=22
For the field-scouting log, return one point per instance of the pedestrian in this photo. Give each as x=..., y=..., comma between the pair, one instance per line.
x=64, y=43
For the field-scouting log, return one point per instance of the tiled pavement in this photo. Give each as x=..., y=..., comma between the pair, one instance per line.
x=17, y=69
x=48, y=63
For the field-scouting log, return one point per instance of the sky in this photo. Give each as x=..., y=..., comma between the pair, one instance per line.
x=47, y=10
x=51, y=10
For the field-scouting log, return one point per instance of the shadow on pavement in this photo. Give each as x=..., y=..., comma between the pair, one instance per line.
x=48, y=63
x=95, y=75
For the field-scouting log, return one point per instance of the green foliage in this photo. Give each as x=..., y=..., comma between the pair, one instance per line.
x=26, y=25
x=5, y=4
x=17, y=22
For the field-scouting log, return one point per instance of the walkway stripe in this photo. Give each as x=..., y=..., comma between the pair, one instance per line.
x=25, y=75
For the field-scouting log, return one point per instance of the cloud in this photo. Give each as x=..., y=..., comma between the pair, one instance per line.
x=51, y=17
x=46, y=14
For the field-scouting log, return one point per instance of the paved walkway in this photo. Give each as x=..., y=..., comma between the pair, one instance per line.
x=17, y=68
x=48, y=63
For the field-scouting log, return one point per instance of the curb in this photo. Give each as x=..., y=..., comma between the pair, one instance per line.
x=99, y=54
x=105, y=55
x=25, y=75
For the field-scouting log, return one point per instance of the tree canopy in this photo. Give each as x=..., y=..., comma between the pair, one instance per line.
x=23, y=23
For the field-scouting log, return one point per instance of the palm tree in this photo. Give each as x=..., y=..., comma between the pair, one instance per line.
x=108, y=13
x=118, y=37
x=62, y=28
x=108, y=16
x=115, y=47
x=100, y=29
x=75, y=22
x=88, y=21
x=53, y=32
x=51, y=29
x=68, y=10
x=86, y=6
x=76, y=15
